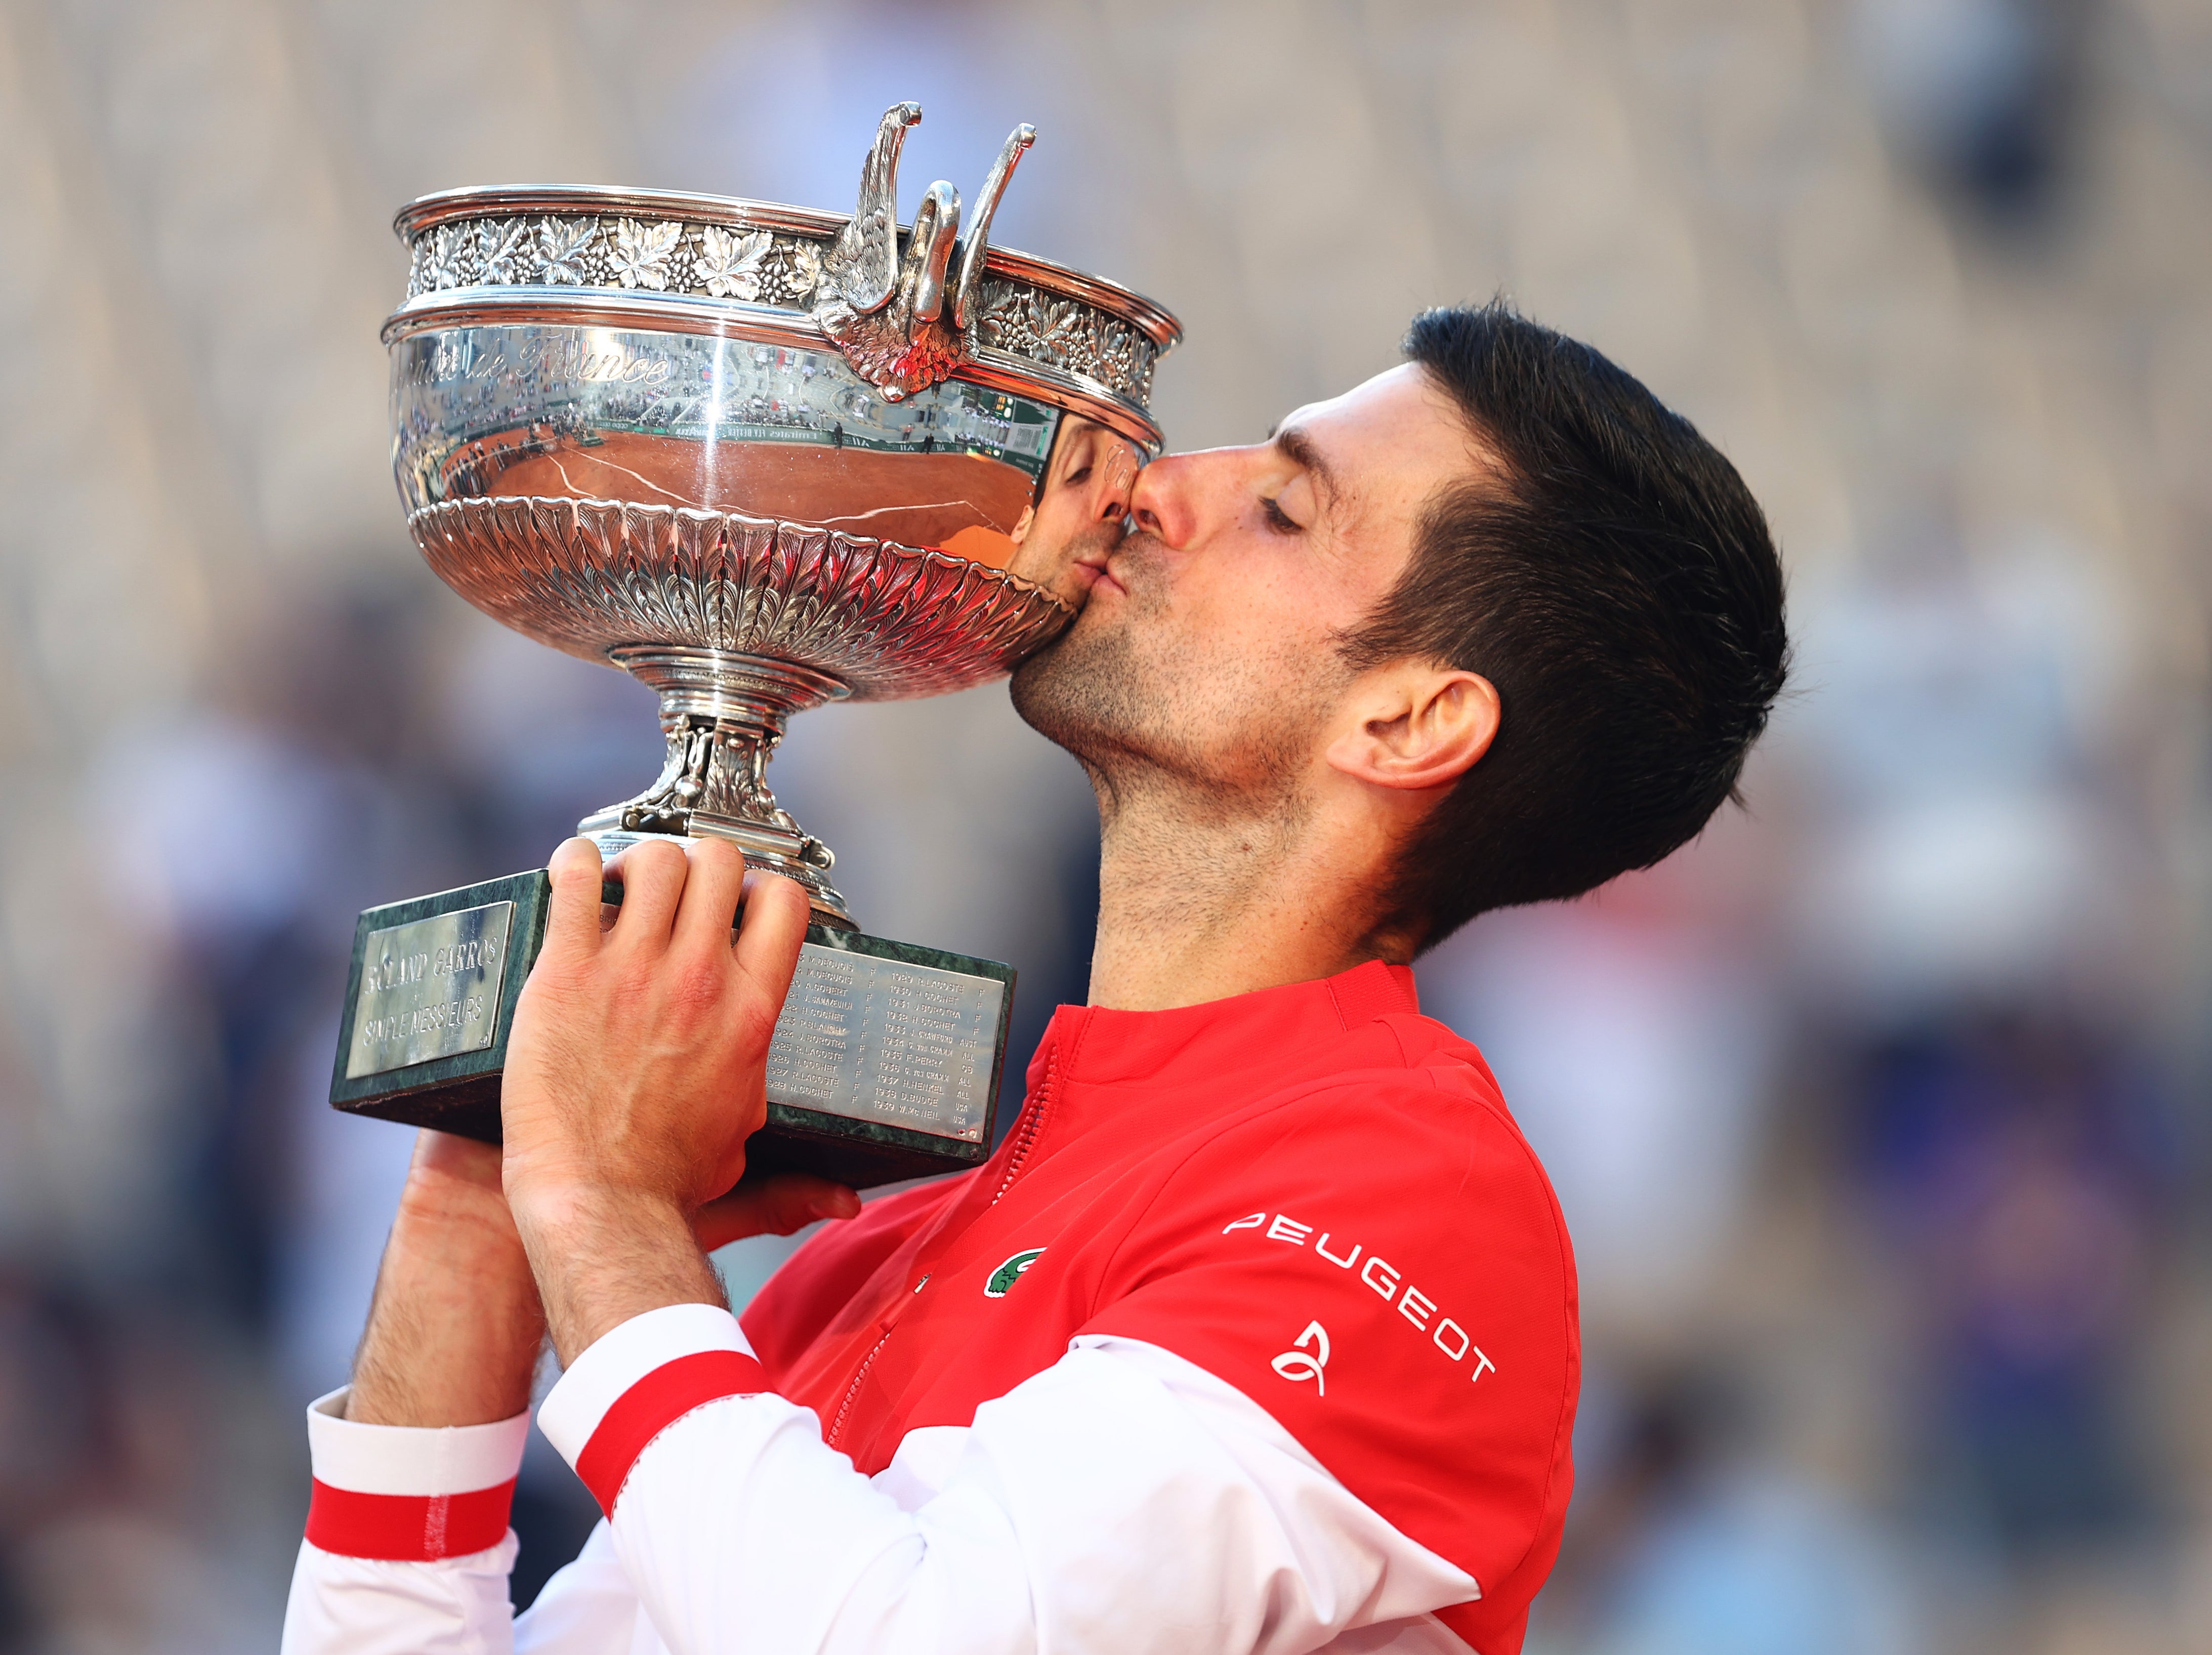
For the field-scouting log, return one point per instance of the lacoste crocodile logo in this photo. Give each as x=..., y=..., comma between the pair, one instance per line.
x=1011, y=1272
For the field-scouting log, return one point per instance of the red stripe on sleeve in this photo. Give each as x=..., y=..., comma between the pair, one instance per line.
x=408, y=1528
x=651, y=1405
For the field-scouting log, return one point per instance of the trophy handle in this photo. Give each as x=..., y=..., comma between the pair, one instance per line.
x=936, y=224
x=861, y=267
x=887, y=318
x=986, y=204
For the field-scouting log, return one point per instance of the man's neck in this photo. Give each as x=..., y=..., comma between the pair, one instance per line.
x=1192, y=909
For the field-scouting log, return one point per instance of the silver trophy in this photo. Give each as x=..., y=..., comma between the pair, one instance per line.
x=761, y=457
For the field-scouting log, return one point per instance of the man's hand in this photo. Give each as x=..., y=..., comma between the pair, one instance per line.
x=635, y=1072
x=458, y=1322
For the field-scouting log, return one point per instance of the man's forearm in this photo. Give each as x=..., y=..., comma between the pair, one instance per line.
x=454, y=1332
x=601, y=1257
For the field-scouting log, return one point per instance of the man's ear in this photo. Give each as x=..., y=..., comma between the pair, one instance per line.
x=1414, y=726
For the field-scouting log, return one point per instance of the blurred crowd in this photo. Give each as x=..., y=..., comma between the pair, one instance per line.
x=1878, y=1114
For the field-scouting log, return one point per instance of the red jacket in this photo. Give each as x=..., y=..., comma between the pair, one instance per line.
x=1313, y=1192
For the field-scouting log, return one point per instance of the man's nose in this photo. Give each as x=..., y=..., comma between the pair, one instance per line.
x=1164, y=503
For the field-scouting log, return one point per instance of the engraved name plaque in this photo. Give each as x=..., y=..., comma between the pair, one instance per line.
x=429, y=988
x=874, y=1039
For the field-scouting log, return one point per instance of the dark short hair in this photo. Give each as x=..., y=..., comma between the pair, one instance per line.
x=1618, y=584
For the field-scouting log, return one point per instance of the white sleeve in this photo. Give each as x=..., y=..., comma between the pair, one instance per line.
x=407, y=1551
x=1122, y=1500
x=407, y=1548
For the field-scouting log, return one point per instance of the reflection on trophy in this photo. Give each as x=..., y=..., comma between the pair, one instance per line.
x=761, y=457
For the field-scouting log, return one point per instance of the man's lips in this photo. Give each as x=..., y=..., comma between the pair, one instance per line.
x=1096, y=573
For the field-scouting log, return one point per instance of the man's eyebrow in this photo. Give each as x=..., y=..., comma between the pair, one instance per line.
x=1295, y=446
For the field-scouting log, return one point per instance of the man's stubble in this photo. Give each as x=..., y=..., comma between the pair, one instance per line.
x=1156, y=718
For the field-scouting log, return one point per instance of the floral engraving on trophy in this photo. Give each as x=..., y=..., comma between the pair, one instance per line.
x=1025, y=322
x=504, y=253
x=791, y=273
x=641, y=252
x=1121, y=356
x=453, y=257
x=1066, y=334
x=729, y=264
x=564, y=251
x=756, y=266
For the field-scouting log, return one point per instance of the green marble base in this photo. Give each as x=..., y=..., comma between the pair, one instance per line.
x=885, y=1065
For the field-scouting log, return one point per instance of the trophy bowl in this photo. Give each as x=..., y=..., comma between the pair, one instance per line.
x=761, y=457
x=669, y=432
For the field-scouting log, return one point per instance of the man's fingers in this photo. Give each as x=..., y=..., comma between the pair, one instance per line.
x=769, y=934
x=442, y=1155
x=653, y=875
x=709, y=908
x=775, y=1205
x=572, y=919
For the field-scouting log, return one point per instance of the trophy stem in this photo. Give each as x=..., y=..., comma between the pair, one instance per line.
x=723, y=714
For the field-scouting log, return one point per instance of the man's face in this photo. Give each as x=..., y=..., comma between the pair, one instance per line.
x=1078, y=514
x=1207, y=650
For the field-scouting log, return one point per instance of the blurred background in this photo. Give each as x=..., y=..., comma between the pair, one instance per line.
x=1879, y=1115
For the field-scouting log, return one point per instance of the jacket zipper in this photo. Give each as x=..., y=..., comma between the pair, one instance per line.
x=1032, y=1123
x=837, y=1424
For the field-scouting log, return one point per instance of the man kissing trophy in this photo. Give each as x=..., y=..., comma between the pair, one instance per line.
x=1256, y=1334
